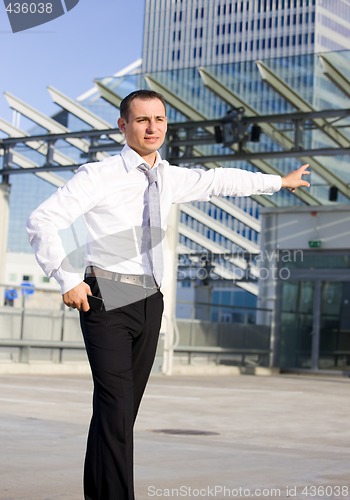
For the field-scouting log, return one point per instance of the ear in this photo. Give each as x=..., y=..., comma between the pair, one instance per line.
x=121, y=124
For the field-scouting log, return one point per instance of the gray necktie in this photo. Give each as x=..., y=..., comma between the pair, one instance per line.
x=154, y=223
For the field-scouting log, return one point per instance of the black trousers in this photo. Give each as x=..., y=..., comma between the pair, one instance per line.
x=121, y=345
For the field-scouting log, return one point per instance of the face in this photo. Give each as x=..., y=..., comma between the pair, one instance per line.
x=145, y=127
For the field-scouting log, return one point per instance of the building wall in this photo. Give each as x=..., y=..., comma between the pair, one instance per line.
x=180, y=34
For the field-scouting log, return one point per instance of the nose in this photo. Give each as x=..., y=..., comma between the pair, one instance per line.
x=152, y=126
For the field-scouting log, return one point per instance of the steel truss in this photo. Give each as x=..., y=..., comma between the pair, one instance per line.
x=234, y=130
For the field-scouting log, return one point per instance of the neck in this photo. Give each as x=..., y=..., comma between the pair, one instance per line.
x=150, y=159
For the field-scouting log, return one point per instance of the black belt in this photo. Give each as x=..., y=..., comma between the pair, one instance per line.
x=143, y=280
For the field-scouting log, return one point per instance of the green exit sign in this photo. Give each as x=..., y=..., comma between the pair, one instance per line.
x=315, y=244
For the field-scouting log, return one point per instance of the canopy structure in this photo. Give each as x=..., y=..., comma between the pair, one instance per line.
x=300, y=108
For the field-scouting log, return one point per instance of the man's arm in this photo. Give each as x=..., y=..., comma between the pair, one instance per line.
x=294, y=179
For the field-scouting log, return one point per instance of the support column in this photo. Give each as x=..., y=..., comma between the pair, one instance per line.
x=4, y=225
x=169, y=290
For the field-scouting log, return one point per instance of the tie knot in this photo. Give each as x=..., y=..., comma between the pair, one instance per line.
x=151, y=173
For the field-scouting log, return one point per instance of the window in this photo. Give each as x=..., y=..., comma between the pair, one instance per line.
x=27, y=277
x=45, y=279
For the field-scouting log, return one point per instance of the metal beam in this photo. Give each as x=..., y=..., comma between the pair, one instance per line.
x=237, y=213
x=107, y=94
x=48, y=123
x=275, y=134
x=218, y=227
x=299, y=102
x=215, y=248
x=84, y=114
x=336, y=76
x=36, y=145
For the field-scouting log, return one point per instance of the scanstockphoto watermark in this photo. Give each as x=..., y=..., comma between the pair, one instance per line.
x=24, y=15
x=266, y=265
x=218, y=491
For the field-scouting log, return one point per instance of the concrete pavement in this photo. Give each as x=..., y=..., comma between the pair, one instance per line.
x=280, y=436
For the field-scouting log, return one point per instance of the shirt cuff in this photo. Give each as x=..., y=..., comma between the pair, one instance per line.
x=66, y=279
x=275, y=184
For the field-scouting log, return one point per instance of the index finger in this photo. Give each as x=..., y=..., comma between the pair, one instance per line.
x=304, y=168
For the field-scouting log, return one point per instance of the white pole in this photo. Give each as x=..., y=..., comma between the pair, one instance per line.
x=169, y=290
x=4, y=224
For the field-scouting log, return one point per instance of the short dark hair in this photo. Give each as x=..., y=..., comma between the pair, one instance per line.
x=140, y=94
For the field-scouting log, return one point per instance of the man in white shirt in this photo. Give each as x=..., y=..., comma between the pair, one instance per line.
x=121, y=338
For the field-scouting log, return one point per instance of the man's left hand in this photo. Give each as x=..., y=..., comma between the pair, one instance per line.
x=294, y=179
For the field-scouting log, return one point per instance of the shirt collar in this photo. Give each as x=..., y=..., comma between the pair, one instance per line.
x=132, y=160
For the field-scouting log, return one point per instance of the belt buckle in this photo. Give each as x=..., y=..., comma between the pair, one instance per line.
x=146, y=280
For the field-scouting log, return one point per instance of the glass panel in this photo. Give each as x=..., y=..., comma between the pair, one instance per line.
x=296, y=324
x=308, y=259
x=335, y=326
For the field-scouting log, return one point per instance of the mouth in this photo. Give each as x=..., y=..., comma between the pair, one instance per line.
x=151, y=139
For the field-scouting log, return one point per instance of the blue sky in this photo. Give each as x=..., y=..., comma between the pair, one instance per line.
x=95, y=39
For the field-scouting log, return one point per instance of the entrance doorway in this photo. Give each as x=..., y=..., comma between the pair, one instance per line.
x=315, y=320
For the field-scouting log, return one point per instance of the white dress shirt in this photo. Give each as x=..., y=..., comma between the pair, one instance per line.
x=110, y=196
